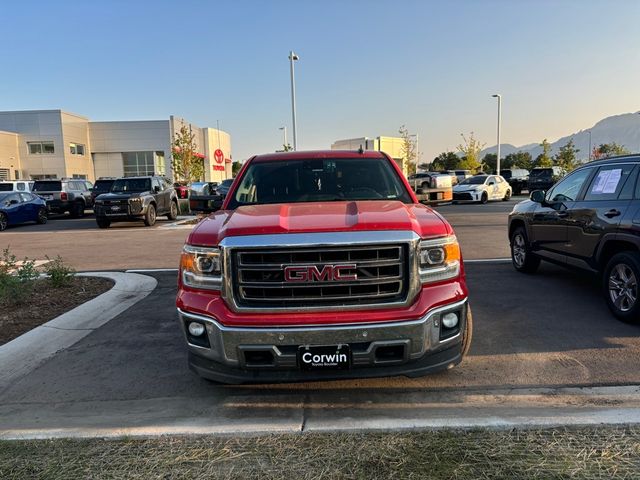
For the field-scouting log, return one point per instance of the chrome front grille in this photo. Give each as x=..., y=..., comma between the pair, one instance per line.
x=380, y=271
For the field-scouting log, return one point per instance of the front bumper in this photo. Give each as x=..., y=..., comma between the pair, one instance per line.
x=467, y=196
x=418, y=347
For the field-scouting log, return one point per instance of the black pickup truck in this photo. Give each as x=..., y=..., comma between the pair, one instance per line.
x=137, y=198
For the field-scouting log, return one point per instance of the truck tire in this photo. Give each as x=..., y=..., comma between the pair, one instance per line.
x=173, y=211
x=468, y=333
x=522, y=258
x=621, y=285
x=150, y=216
x=77, y=210
x=103, y=222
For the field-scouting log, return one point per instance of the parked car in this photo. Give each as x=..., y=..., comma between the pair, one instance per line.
x=543, y=178
x=322, y=265
x=102, y=185
x=66, y=195
x=16, y=186
x=588, y=220
x=137, y=198
x=224, y=186
x=482, y=188
x=463, y=174
x=21, y=207
x=518, y=178
x=182, y=190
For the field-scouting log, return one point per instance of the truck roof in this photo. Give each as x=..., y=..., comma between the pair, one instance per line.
x=317, y=154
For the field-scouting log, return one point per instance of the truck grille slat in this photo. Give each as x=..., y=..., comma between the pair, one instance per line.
x=381, y=270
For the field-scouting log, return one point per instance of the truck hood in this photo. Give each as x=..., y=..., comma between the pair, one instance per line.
x=319, y=217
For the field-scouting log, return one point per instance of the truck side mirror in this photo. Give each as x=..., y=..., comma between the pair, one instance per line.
x=206, y=203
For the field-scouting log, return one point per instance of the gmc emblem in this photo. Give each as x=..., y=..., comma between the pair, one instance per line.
x=328, y=273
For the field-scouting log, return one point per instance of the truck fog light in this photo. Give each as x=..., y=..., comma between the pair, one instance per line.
x=196, y=329
x=449, y=320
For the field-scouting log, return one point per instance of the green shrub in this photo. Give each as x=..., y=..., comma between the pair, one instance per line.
x=16, y=280
x=60, y=275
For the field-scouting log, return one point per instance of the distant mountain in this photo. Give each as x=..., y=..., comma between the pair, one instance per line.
x=623, y=129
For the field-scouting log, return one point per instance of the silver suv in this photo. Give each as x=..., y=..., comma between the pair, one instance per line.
x=66, y=195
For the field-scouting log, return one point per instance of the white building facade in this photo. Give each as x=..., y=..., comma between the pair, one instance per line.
x=392, y=146
x=57, y=144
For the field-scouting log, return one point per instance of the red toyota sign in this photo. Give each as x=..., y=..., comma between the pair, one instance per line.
x=218, y=156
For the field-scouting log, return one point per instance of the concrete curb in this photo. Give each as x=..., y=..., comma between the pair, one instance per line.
x=23, y=354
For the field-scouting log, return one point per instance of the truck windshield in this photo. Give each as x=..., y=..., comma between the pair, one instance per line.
x=319, y=180
x=131, y=185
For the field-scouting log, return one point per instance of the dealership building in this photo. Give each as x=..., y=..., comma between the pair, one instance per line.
x=392, y=146
x=38, y=144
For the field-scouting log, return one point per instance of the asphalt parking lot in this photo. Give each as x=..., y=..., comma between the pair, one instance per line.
x=546, y=330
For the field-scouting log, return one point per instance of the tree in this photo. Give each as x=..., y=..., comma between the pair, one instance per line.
x=235, y=168
x=444, y=161
x=605, y=150
x=470, y=149
x=489, y=162
x=518, y=160
x=408, y=150
x=566, y=157
x=187, y=164
x=286, y=148
x=544, y=159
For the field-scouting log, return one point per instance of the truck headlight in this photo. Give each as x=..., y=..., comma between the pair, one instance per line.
x=201, y=267
x=439, y=259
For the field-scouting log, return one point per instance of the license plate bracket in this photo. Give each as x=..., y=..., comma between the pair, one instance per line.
x=324, y=357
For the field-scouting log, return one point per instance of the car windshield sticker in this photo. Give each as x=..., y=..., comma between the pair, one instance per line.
x=607, y=181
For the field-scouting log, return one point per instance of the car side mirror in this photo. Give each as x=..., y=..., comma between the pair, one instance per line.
x=491, y=183
x=537, y=196
x=156, y=189
x=13, y=202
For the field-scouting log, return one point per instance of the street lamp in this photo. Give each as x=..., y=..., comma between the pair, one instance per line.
x=284, y=136
x=292, y=58
x=499, y=97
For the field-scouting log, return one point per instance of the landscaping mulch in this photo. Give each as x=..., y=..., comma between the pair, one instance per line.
x=600, y=452
x=46, y=303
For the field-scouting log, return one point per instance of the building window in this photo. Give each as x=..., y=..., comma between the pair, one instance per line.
x=138, y=164
x=46, y=176
x=39, y=148
x=160, y=169
x=76, y=149
x=80, y=176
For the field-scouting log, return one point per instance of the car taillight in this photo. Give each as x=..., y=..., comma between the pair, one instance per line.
x=63, y=195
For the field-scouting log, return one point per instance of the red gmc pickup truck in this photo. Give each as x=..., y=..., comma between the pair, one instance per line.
x=322, y=265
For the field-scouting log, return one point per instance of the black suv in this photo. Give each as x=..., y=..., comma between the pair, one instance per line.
x=137, y=198
x=66, y=195
x=587, y=220
x=518, y=178
x=543, y=178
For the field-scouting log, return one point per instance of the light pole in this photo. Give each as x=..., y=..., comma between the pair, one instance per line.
x=284, y=136
x=292, y=58
x=499, y=97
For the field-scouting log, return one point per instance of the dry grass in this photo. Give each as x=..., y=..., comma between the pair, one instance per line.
x=602, y=452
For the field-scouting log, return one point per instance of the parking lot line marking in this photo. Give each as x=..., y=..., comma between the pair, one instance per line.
x=489, y=260
x=151, y=270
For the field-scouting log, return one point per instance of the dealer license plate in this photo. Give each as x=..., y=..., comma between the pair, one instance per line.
x=324, y=357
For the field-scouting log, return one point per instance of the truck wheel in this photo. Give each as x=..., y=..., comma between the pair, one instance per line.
x=620, y=282
x=173, y=211
x=4, y=223
x=103, y=222
x=150, y=216
x=468, y=333
x=521, y=257
x=484, y=198
x=42, y=216
x=77, y=210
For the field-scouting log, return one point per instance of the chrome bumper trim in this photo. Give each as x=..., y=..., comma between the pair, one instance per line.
x=227, y=344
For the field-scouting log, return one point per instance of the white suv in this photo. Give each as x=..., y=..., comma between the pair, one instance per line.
x=16, y=186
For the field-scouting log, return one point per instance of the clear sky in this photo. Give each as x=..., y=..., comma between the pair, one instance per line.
x=366, y=67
